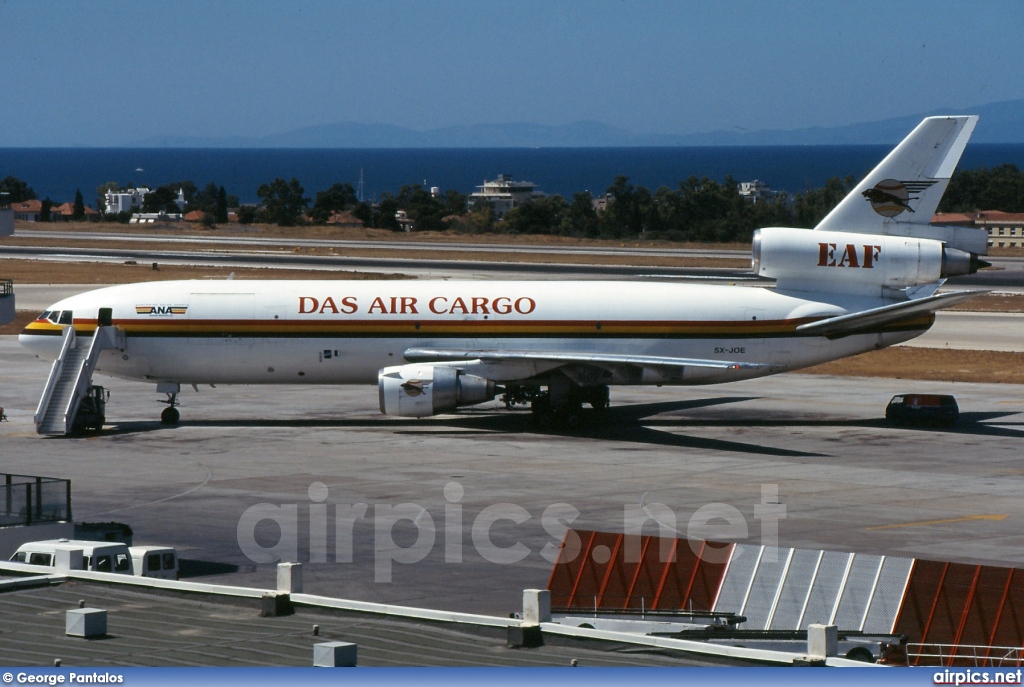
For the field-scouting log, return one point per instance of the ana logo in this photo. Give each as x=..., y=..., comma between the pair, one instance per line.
x=890, y=197
x=157, y=310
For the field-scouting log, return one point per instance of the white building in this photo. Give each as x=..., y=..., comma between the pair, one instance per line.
x=755, y=191
x=123, y=201
x=503, y=194
x=127, y=200
x=407, y=223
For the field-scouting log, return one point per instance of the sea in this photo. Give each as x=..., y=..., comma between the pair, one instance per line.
x=56, y=173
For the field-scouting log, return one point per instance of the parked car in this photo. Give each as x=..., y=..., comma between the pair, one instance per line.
x=922, y=409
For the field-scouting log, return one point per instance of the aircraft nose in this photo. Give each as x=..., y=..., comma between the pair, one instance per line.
x=43, y=345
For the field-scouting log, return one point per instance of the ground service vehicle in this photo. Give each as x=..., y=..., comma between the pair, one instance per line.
x=92, y=411
x=924, y=409
x=103, y=556
x=98, y=556
x=155, y=561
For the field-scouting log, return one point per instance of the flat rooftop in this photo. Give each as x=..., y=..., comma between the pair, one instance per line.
x=164, y=628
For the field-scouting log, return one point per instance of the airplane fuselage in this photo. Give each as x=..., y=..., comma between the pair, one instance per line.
x=343, y=332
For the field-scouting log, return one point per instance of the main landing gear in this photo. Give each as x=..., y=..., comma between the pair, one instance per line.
x=561, y=406
x=170, y=414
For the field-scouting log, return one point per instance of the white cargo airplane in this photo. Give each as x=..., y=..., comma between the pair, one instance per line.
x=864, y=278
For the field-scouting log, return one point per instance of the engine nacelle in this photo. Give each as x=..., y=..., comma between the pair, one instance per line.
x=419, y=390
x=852, y=262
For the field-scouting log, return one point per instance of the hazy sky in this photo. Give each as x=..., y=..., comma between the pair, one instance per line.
x=104, y=73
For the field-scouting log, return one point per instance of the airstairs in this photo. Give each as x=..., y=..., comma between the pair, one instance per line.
x=70, y=379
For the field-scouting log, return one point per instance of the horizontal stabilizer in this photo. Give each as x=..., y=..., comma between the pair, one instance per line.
x=422, y=355
x=844, y=325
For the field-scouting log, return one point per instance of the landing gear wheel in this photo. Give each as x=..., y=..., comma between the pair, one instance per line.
x=170, y=416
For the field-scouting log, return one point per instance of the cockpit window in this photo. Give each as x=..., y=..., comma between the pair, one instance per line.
x=65, y=317
x=44, y=316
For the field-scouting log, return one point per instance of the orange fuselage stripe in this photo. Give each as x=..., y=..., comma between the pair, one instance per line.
x=262, y=328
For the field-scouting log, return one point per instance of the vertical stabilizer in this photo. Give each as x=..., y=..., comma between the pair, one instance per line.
x=900, y=195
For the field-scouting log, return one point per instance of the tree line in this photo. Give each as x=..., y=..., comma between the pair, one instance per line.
x=697, y=209
x=212, y=200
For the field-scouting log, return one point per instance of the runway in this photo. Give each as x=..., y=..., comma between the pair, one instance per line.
x=413, y=266
x=1007, y=274
x=627, y=248
x=1012, y=268
x=495, y=491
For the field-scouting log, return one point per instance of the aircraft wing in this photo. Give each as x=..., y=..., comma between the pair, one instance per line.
x=845, y=325
x=648, y=361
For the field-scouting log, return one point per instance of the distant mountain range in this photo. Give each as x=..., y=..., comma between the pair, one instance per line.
x=1000, y=123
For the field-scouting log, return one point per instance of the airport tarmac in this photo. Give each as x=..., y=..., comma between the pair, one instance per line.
x=498, y=494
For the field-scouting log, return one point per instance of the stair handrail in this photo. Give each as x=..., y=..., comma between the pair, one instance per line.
x=68, y=340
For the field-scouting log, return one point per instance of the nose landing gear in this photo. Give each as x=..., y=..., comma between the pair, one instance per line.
x=170, y=414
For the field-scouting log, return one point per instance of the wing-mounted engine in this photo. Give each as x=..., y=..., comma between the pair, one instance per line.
x=854, y=263
x=419, y=390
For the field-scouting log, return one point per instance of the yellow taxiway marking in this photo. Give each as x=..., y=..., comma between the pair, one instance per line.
x=966, y=518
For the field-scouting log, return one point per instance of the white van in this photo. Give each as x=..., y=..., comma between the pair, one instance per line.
x=155, y=561
x=98, y=556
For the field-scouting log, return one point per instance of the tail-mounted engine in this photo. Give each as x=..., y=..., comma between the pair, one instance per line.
x=847, y=262
x=419, y=390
